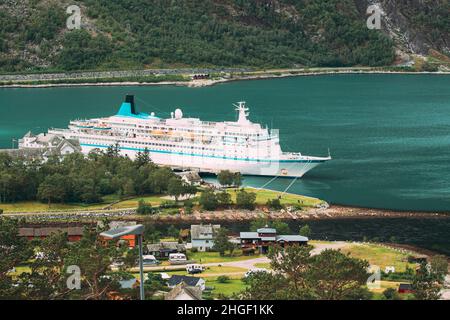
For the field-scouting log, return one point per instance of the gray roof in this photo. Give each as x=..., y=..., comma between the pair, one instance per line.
x=292, y=238
x=166, y=245
x=46, y=231
x=48, y=139
x=177, y=279
x=249, y=235
x=190, y=175
x=203, y=231
x=267, y=230
x=194, y=292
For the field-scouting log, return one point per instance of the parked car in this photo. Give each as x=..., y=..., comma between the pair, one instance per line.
x=149, y=259
x=194, y=268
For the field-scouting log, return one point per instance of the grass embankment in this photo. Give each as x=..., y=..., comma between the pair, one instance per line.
x=114, y=202
x=380, y=256
x=36, y=206
x=262, y=195
x=110, y=201
x=232, y=286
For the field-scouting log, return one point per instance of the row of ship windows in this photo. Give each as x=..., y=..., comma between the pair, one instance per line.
x=166, y=147
x=193, y=131
x=108, y=141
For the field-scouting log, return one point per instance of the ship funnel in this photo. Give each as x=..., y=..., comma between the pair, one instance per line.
x=129, y=98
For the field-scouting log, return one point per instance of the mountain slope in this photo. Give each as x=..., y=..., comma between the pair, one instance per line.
x=118, y=34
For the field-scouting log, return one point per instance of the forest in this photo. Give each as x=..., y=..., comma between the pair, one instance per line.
x=123, y=34
x=78, y=179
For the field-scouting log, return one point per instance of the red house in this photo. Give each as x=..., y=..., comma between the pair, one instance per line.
x=405, y=288
x=74, y=233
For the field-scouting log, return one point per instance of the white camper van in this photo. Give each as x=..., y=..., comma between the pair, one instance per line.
x=194, y=268
x=177, y=257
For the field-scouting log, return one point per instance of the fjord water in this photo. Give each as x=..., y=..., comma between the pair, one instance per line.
x=389, y=135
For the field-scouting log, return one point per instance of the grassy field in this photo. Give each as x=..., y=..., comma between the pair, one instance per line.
x=113, y=200
x=227, y=289
x=380, y=256
x=35, y=206
x=262, y=195
x=133, y=203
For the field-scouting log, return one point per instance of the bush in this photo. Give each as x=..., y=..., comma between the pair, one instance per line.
x=145, y=208
x=173, y=211
x=224, y=199
x=168, y=205
x=188, y=206
x=208, y=200
x=274, y=204
x=391, y=294
x=246, y=200
x=305, y=231
x=225, y=178
x=223, y=279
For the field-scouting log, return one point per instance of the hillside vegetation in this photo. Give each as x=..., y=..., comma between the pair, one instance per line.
x=120, y=34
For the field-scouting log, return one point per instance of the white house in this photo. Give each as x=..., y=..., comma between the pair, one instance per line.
x=190, y=177
x=49, y=144
x=202, y=236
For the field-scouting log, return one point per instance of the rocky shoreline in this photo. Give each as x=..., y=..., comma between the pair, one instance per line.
x=211, y=82
x=330, y=213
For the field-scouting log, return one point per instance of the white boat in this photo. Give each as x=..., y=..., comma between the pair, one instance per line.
x=190, y=143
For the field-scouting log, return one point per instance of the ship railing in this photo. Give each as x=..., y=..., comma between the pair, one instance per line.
x=59, y=130
x=291, y=155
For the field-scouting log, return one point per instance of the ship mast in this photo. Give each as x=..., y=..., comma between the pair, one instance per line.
x=243, y=114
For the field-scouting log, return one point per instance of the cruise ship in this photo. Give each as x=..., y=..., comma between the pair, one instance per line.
x=190, y=143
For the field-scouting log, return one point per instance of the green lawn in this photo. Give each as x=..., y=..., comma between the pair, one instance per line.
x=19, y=270
x=36, y=206
x=154, y=200
x=133, y=203
x=380, y=256
x=227, y=289
x=287, y=199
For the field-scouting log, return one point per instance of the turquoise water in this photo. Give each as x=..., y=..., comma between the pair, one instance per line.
x=389, y=135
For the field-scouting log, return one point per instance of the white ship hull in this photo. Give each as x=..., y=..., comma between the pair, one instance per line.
x=207, y=164
x=189, y=143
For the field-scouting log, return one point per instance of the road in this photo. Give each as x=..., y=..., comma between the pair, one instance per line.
x=246, y=264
